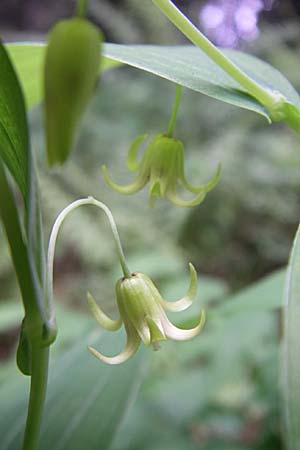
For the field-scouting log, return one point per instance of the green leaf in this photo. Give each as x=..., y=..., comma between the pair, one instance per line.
x=13, y=124
x=291, y=352
x=264, y=295
x=192, y=68
x=185, y=65
x=86, y=399
x=27, y=253
x=28, y=60
x=25, y=269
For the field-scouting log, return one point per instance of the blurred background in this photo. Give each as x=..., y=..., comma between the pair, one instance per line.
x=220, y=391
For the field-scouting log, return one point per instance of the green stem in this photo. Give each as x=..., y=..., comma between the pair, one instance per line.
x=53, y=238
x=265, y=96
x=81, y=8
x=175, y=111
x=38, y=386
x=32, y=301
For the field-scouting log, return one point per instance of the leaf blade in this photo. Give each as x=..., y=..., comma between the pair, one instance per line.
x=291, y=349
x=14, y=140
x=185, y=65
x=263, y=295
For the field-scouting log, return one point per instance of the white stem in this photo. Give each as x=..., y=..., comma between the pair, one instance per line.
x=53, y=238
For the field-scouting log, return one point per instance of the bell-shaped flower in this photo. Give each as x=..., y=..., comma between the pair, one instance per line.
x=163, y=167
x=142, y=311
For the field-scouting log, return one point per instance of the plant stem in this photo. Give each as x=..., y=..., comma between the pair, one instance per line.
x=81, y=8
x=53, y=238
x=194, y=35
x=175, y=111
x=38, y=386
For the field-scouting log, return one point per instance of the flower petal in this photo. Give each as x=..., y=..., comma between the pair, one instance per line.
x=131, y=188
x=156, y=329
x=178, y=334
x=187, y=300
x=133, y=342
x=174, y=198
x=132, y=162
x=101, y=317
x=201, y=188
x=154, y=192
x=144, y=332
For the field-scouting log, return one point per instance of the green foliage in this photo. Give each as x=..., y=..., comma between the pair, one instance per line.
x=13, y=124
x=192, y=68
x=86, y=400
x=290, y=360
x=263, y=296
x=25, y=246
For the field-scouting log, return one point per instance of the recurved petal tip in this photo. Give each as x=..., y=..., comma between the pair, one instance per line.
x=174, y=198
x=129, y=351
x=131, y=188
x=132, y=162
x=204, y=188
x=103, y=320
x=187, y=300
x=178, y=334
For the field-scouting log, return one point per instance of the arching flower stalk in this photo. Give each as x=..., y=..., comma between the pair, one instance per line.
x=141, y=307
x=163, y=167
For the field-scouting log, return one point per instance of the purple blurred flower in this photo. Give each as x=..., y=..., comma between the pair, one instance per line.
x=227, y=22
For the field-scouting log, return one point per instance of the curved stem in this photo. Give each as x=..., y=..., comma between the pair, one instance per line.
x=175, y=111
x=38, y=386
x=81, y=8
x=265, y=96
x=53, y=237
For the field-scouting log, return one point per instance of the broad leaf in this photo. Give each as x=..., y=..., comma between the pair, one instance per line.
x=192, y=68
x=26, y=248
x=185, y=65
x=264, y=295
x=86, y=399
x=291, y=352
x=13, y=124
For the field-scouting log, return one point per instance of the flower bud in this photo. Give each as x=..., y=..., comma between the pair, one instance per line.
x=71, y=70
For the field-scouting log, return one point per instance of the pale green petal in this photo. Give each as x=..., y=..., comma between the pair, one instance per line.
x=144, y=332
x=156, y=329
x=154, y=192
x=132, y=345
x=132, y=162
x=187, y=300
x=174, y=198
x=131, y=188
x=204, y=187
x=178, y=334
x=101, y=317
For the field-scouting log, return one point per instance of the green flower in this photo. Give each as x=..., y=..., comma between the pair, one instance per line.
x=142, y=310
x=163, y=167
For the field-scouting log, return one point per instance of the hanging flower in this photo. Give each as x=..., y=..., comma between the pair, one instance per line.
x=141, y=307
x=163, y=167
x=142, y=310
